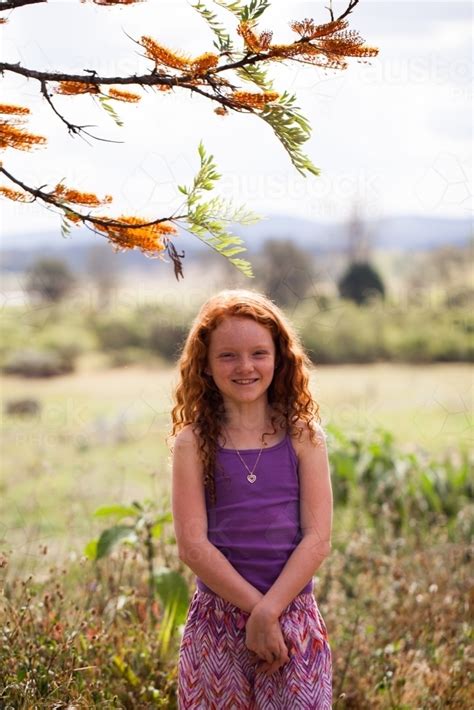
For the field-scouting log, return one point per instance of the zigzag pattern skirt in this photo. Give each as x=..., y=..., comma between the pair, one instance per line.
x=216, y=670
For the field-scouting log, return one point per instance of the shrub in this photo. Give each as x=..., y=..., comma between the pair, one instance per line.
x=117, y=333
x=39, y=363
x=165, y=338
x=360, y=283
x=50, y=280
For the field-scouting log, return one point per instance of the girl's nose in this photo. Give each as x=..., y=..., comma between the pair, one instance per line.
x=244, y=365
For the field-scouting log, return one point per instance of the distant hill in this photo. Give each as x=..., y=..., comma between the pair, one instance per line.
x=404, y=233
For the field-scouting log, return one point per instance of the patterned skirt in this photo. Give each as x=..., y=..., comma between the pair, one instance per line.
x=216, y=670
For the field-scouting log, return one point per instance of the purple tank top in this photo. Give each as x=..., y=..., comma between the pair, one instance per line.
x=256, y=525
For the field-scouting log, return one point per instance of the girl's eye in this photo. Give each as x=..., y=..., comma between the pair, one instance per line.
x=261, y=352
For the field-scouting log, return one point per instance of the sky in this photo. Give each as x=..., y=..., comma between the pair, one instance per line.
x=391, y=137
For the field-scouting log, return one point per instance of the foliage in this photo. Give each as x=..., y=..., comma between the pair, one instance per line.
x=39, y=363
x=206, y=220
x=360, y=283
x=49, y=280
x=395, y=488
x=286, y=271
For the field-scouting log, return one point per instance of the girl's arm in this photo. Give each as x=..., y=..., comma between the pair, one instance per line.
x=316, y=509
x=190, y=524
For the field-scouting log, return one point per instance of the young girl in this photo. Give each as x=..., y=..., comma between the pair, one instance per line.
x=252, y=508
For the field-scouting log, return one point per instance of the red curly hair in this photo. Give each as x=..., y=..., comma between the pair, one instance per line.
x=198, y=401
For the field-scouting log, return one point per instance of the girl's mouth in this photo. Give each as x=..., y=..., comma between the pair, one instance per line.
x=244, y=382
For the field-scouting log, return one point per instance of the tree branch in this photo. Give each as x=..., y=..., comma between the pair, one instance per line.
x=12, y=4
x=72, y=128
x=47, y=197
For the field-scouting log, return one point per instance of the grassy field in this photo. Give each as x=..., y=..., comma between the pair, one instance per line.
x=101, y=438
x=395, y=607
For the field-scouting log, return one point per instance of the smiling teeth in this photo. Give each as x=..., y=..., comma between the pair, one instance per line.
x=244, y=382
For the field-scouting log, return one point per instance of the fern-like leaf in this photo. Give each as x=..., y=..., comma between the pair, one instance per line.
x=292, y=130
x=110, y=110
x=249, y=12
x=208, y=220
x=223, y=42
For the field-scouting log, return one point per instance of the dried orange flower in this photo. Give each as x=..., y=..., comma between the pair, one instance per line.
x=8, y=108
x=71, y=88
x=221, y=111
x=204, y=62
x=3, y=20
x=79, y=198
x=333, y=43
x=307, y=29
x=15, y=195
x=251, y=100
x=124, y=95
x=161, y=55
x=72, y=216
x=13, y=137
x=256, y=43
x=147, y=239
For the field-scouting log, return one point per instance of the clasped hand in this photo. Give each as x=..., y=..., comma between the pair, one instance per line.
x=264, y=639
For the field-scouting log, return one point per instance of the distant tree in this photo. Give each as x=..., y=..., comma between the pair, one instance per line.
x=103, y=272
x=286, y=271
x=50, y=280
x=360, y=283
x=359, y=239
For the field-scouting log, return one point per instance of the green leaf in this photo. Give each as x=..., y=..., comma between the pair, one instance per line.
x=117, y=511
x=245, y=12
x=172, y=589
x=90, y=550
x=66, y=226
x=110, y=110
x=126, y=671
x=224, y=42
x=112, y=536
x=256, y=75
x=292, y=130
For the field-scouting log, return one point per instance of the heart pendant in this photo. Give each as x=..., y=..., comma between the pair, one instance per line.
x=251, y=478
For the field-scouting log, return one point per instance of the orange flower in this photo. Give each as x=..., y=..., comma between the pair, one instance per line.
x=333, y=43
x=204, y=62
x=13, y=137
x=72, y=217
x=8, y=108
x=72, y=88
x=306, y=28
x=15, y=195
x=161, y=55
x=256, y=43
x=80, y=198
x=147, y=239
x=251, y=100
x=221, y=111
x=124, y=95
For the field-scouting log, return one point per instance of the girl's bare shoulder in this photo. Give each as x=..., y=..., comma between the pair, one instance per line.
x=187, y=439
x=308, y=436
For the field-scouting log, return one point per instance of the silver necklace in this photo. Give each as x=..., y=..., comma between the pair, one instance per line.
x=251, y=477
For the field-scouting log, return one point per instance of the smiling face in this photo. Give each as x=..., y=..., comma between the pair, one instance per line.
x=241, y=359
